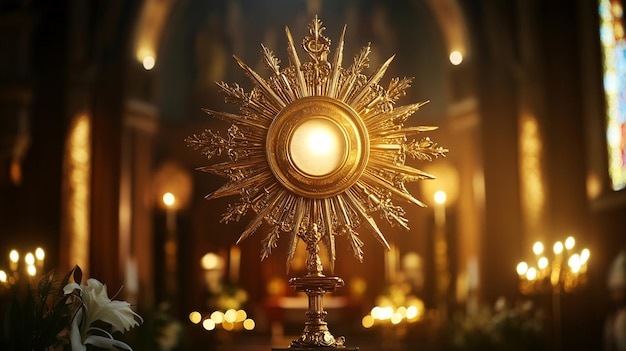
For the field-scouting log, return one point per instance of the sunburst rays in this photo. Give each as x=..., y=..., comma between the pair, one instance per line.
x=376, y=188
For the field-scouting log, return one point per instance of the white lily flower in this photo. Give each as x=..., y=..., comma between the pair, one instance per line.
x=97, y=306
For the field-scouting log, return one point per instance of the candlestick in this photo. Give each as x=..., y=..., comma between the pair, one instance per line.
x=14, y=257
x=40, y=255
x=171, y=246
x=441, y=254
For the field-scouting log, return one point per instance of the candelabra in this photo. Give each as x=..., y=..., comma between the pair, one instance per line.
x=563, y=272
x=32, y=265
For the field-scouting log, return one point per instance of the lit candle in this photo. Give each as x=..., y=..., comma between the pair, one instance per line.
x=29, y=259
x=569, y=243
x=440, y=209
x=14, y=257
x=584, y=257
x=522, y=268
x=169, y=200
x=31, y=270
x=531, y=274
x=574, y=263
x=542, y=264
x=538, y=248
x=170, y=246
x=40, y=255
x=555, y=276
x=558, y=248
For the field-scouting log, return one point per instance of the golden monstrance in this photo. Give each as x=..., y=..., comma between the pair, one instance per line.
x=315, y=150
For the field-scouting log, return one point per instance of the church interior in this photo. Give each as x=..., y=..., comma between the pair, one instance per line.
x=520, y=244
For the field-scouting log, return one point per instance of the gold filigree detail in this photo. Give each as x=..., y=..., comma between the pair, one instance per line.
x=260, y=171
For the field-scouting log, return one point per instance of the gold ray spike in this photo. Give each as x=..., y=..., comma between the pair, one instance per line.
x=317, y=148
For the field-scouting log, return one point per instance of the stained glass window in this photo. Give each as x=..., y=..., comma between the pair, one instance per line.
x=614, y=65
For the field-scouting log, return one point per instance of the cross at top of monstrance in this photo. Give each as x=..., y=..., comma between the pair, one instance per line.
x=314, y=151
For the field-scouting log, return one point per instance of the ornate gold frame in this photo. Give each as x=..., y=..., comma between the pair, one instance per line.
x=355, y=157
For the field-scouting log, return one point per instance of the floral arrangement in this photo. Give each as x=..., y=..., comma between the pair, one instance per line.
x=65, y=315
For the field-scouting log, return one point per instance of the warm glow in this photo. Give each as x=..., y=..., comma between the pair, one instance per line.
x=396, y=318
x=375, y=312
x=15, y=172
x=195, y=317
x=241, y=316
x=3, y=276
x=558, y=247
x=531, y=274
x=538, y=248
x=208, y=324
x=217, y=317
x=14, y=256
x=367, y=321
x=394, y=315
x=522, y=268
x=402, y=311
x=574, y=263
x=412, y=312
x=77, y=179
x=440, y=197
x=531, y=155
x=210, y=261
x=40, y=254
x=29, y=259
x=249, y=324
x=148, y=62
x=230, y=316
x=169, y=199
x=569, y=243
x=456, y=58
x=564, y=270
x=382, y=313
x=318, y=147
x=584, y=256
x=31, y=270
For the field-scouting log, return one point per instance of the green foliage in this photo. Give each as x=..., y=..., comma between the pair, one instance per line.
x=504, y=327
x=35, y=317
x=162, y=331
